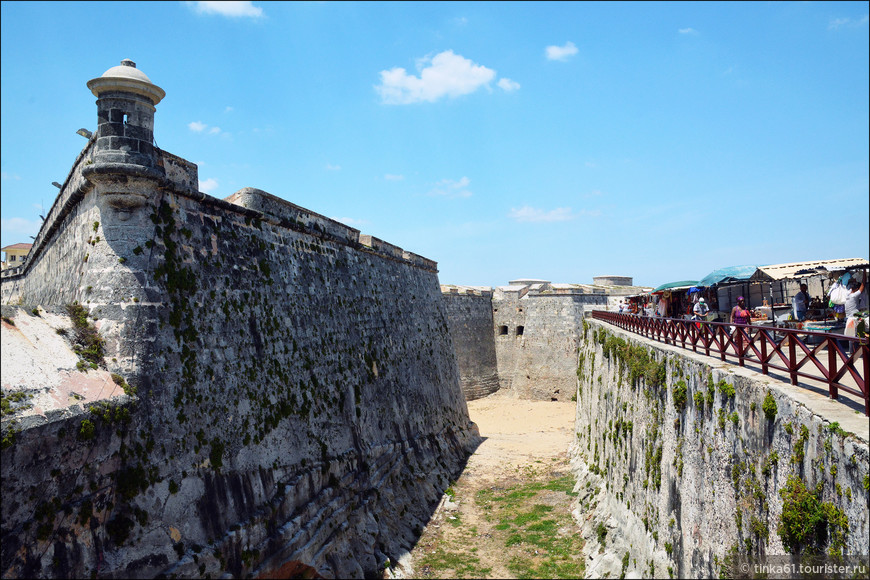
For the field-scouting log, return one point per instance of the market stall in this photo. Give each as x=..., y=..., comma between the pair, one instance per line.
x=640, y=304
x=673, y=298
x=783, y=281
x=722, y=287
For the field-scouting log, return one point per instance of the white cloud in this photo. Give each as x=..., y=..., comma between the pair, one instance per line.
x=508, y=84
x=200, y=127
x=20, y=226
x=230, y=9
x=445, y=74
x=208, y=185
x=451, y=189
x=531, y=214
x=391, y=177
x=691, y=31
x=228, y=109
x=849, y=22
x=561, y=53
x=330, y=167
x=6, y=176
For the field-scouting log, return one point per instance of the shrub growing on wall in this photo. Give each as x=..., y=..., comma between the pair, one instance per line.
x=806, y=522
x=769, y=406
x=679, y=395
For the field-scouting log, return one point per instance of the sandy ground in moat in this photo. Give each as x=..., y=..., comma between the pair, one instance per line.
x=523, y=440
x=516, y=433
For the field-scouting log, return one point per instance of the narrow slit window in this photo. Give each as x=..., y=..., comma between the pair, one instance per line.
x=520, y=330
x=126, y=118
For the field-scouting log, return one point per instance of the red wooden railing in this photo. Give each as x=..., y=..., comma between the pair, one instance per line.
x=782, y=349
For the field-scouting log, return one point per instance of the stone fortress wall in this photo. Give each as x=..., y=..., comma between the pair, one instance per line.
x=684, y=463
x=536, y=336
x=532, y=327
x=297, y=399
x=469, y=318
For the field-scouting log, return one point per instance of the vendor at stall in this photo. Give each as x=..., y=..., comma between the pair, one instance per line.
x=854, y=296
x=800, y=303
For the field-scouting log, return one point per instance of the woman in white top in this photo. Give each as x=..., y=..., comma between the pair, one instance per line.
x=855, y=291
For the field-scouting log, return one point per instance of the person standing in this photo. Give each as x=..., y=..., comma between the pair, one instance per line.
x=800, y=303
x=701, y=309
x=740, y=314
x=851, y=306
x=855, y=291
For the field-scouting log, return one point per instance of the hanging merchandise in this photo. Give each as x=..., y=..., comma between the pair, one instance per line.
x=838, y=294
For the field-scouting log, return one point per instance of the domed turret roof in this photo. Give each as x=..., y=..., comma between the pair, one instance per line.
x=126, y=70
x=126, y=77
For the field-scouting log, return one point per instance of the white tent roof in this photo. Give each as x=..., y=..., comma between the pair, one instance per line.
x=799, y=269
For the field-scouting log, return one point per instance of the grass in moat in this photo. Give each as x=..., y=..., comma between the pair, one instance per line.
x=523, y=528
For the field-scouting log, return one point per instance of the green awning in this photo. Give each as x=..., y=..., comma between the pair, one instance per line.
x=684, y=285
x=727, y=275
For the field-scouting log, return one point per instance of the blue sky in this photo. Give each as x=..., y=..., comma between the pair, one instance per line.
x=504, y=140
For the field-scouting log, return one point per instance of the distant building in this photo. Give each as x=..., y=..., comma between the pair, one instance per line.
x=16, y=254
x=613, y=280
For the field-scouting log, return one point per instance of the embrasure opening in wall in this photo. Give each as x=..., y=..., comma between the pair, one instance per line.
x=520, y=330
x=502, y=330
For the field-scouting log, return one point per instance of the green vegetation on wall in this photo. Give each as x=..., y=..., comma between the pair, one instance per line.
x=638, y=359
x=87, y=342
x=769, y=406
x=811, y=521
x=808, y=524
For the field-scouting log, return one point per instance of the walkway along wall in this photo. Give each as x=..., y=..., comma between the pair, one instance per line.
x=687, y=464
x=297, y=400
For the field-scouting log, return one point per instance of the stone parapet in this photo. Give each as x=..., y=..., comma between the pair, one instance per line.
x=467, y=290
x=180, y=173
x=270, y=205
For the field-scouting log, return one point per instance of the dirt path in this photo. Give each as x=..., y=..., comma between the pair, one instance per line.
x=509, y=513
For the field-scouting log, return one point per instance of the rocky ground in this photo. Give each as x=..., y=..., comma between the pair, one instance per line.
x=40, y=367
x=509, y=513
